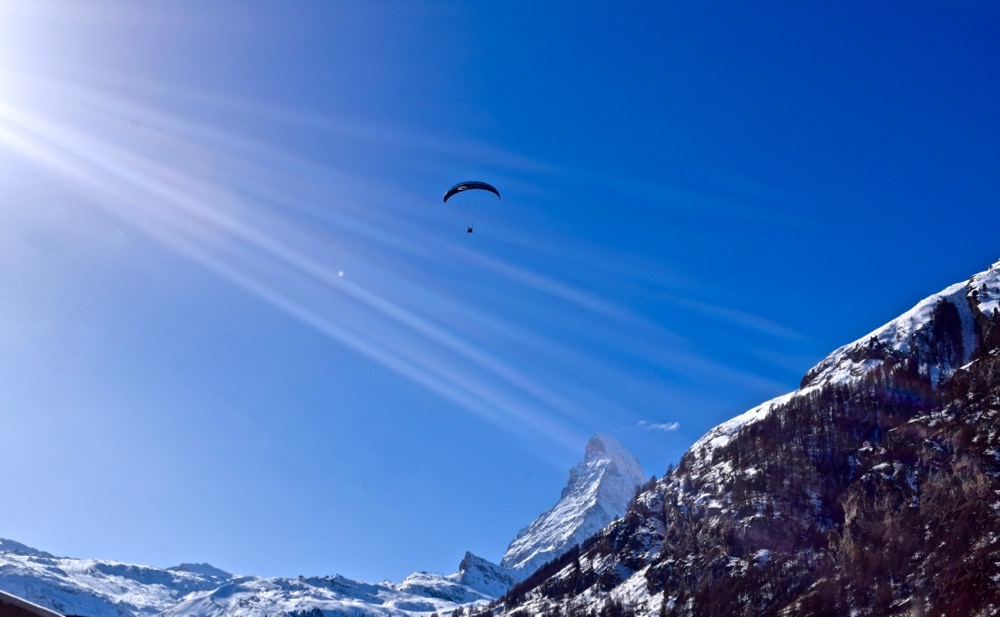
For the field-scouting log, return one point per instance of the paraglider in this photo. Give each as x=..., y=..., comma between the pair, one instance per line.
x=470, y=202
x=469, y=186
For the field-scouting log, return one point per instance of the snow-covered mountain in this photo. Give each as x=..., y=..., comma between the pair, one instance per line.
x=871, y=490
x=935, y=338
x=419, y=593
x=95, y=588
x=599, y=490
x=476, y=582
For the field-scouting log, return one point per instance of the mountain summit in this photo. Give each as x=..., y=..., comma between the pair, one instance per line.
x=599, y=490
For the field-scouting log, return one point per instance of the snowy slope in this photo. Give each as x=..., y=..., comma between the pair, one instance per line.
x=599, y=490
x=332, y=596
x=918, y=334
x=98, y=588
x=914, y=335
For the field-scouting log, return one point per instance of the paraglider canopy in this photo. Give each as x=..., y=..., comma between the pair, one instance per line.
x=469, y=186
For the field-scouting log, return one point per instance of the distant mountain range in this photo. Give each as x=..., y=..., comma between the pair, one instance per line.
x=873, y=489
x=599, y=490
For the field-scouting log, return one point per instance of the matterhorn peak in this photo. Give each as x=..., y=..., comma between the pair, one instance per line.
x=596, y=447
x=598, y=491
x=605, y=449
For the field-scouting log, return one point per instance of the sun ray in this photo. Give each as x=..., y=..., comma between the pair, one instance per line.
x=137, y=181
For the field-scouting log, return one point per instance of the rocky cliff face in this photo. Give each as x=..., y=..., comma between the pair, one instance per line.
x=871, y=490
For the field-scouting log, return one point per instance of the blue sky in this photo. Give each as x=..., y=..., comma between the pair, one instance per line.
x=239, y=326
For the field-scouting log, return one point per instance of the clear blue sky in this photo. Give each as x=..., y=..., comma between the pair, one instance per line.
x=237, y=324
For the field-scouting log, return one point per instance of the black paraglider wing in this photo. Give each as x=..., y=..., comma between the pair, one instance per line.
x=468, y=186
